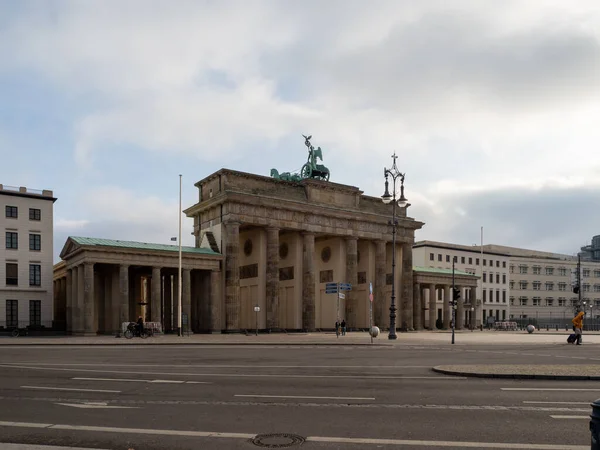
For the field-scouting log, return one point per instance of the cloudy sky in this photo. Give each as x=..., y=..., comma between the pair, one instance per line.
x=492, y=107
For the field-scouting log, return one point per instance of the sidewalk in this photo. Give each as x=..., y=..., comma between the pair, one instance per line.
x=524, y=371
x=462, y=338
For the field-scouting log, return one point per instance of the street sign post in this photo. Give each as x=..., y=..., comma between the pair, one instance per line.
x=345, y=287
x=331, y=288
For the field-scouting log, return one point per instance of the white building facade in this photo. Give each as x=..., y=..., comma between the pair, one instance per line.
x=541, y=286
x=26, y=286
x=491, y=266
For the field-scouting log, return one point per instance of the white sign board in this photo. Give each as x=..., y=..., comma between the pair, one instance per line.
x=341, y=296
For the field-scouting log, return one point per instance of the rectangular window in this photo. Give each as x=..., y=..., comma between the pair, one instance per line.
x=484, y=295
x=597, y=288
x=503, y=296
x=586, y=273
x=537, y=270
x=503, y=278
x=549, y=271
x=596, y=273
x=12, y=274
x=562, y=286
x=485, y=277
x=497, y=263
x=497, y=296
x=491, y=277
x=35, y=313
x=476, y=261
x=562, y=272
x=549, y=286
x=497, y=278
x=549, y=302
x=431, y=257
x=536, y=302
x=511, y=269
x=447, y=258
x=35, y=275
x=562, y=302
x=512, y=284
x=503, y=314
x=471, y=261
x=485, y=262
x=462, y=261
x=12, y=212
x=537, y=285
x=504, y=264
x=523, y=269
x=439, y=257
x=523, y=301
x=523, y=285
x=12, y=240
x=512, y=301
x=35, y=214
x=35, y=242
x=12, y=313
x=586, y=287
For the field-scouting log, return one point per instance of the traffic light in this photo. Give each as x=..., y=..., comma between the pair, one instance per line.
x=576, y=289
x=456, y=294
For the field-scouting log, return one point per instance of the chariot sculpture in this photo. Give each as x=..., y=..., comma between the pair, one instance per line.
x=309, y=170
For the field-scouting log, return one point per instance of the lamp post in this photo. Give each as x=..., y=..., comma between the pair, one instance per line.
x=256, y=310
x=471, y=318
x=387, y=198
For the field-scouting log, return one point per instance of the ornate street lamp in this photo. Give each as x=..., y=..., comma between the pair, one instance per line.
x=387, y=198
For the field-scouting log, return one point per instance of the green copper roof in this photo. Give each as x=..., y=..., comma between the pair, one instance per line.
x=140, y=245
x=442, y=271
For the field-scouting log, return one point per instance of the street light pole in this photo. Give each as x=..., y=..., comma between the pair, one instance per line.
x=402, y=202
x=179, y=286
x=453, y=300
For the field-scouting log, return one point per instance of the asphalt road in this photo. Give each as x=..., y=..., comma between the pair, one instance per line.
x=335, y=397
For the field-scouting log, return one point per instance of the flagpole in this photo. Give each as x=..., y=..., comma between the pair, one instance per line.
x=179, y=287
x=481, y=278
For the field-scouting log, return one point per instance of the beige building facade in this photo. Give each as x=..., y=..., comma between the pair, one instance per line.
x=26, y=289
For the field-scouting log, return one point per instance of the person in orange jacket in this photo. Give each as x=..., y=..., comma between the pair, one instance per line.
x=578, y=325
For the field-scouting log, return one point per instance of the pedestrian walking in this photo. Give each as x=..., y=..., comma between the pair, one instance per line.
x=343, y=327
x=337, y=328
x=578, y=325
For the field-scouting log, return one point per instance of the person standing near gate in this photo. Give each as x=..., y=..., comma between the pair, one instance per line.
x=343, y=327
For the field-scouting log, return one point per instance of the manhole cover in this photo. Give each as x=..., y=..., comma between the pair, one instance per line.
x=277, y=440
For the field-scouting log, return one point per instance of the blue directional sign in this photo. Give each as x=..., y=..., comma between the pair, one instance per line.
x=331, y=288
x=345, y=287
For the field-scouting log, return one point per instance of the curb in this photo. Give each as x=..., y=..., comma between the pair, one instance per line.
x=516, y=376
x=201, y=344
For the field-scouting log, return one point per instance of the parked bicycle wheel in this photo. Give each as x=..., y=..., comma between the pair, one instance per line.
x=128, y=334
x=15, y=332
x=144, y=334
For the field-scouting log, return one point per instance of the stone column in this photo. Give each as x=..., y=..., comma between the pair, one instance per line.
x=417, y=325
x=78, y=322
x=168, y=307
x=460, y=310
x=155, y=297
x=272, y=278
x=215, y=303
x=406, y=290
x=422, y=312
x=69, y=318
x=379, y=301
x=352, y=278
x=308, y=282
x=232, y=276
x=123, y=295
x=447, y=312
x=432, y=307
x=88, y=299
x=474, y=305
x=186, y=297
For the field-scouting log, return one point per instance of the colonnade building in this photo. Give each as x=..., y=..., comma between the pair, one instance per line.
x=259, y=242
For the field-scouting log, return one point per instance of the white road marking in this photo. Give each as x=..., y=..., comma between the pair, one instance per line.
x=67, y=389
x=558, y=403
x=339, y=440
x=242, y=375
x=304, y=396
x=96, y=405
x=437, y=444
x=140, y=380
x=547, y=389
x=571, y=417
x=5, y=446
x=227, y=366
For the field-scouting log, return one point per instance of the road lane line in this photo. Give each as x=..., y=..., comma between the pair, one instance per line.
x=304, y=396
x=339, y=440
x=240, y=375
x=435, y=444
x=571, y=417
x=227, y=366
x=558, y=403
x=68, y=389
x=547, y=389
x=140, y=380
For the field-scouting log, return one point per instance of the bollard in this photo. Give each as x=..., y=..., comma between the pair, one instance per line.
x=556, y=327
x=595, y=425
x=547, y=327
